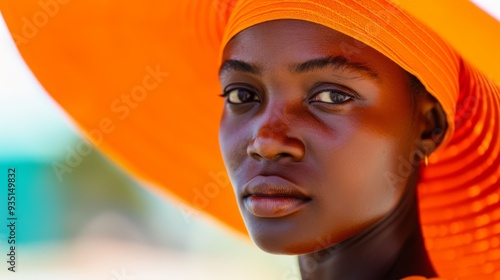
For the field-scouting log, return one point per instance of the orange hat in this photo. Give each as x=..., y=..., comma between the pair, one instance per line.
x=140, y=79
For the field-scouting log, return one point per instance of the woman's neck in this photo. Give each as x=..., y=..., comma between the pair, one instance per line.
x=391, y=249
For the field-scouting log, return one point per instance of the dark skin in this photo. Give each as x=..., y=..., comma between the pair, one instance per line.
x=314, y=139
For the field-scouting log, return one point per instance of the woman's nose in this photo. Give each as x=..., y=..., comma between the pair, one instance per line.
x=273, y=141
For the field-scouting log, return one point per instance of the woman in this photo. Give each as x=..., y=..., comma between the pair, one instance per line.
x=311, y=139
x=325, y=124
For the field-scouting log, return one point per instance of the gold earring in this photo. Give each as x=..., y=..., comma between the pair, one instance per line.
x=426, y=160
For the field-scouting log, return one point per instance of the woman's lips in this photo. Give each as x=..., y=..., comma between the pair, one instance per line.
x=273, y=197
x=273, y=206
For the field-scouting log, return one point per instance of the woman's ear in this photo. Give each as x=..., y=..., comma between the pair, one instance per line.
x=433, y=123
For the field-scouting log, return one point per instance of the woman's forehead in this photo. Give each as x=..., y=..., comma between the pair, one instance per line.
x=287, y=33
x=300, y=45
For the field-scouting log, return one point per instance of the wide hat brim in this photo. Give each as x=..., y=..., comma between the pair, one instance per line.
x=140, y=80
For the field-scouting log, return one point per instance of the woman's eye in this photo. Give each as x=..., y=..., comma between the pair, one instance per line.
x=238, y=96
x=332, y=96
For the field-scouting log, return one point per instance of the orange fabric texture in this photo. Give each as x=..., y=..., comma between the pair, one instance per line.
x=465, y=26
x=140, y=79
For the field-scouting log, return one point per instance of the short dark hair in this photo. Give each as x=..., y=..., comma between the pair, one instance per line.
x=417, y=89
x=415, y=85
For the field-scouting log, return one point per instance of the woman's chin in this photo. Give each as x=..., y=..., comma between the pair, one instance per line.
x=292, y=243
x=281, y=247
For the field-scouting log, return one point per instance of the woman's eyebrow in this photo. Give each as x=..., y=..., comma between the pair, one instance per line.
x=238, y=65
x=337, y=62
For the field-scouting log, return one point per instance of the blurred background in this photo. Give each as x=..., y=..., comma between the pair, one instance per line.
x=95, y=221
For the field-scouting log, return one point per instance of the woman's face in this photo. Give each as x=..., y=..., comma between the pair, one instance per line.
x=317, y=134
